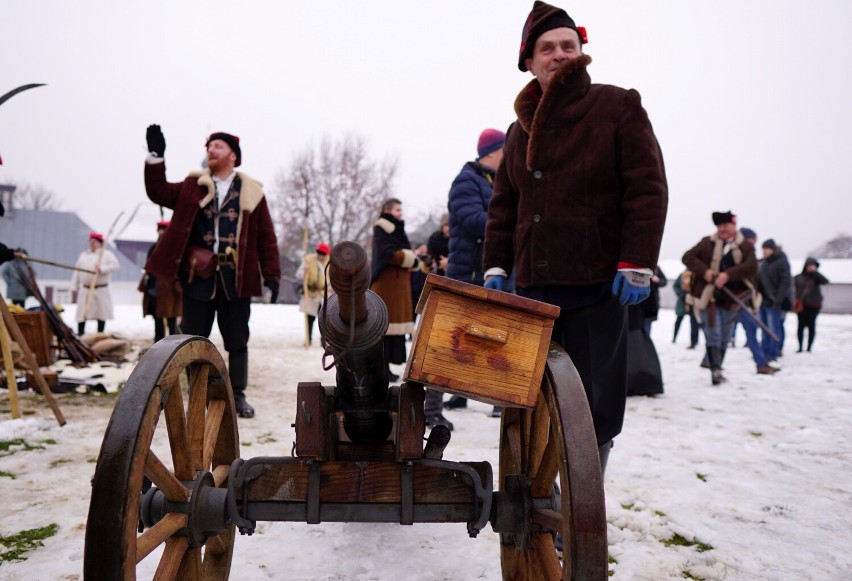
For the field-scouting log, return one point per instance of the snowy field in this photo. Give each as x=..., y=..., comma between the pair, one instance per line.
x=752, y=477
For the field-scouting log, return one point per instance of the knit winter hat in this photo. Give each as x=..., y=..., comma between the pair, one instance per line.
x=544, y=17
x=323, y=248
x=811, y=260
x=96, y=236
x=770, y=244
x=748, y=233
x=724, y=218
x=233, y=142
x=490, y=140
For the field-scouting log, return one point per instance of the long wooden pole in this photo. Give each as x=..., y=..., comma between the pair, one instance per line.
x=58, y=264
x=92, y=284
x=9, y=365
x=304, y=275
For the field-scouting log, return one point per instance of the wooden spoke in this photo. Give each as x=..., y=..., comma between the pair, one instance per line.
x=538, y=437
x=513, y=442
x=215, y=412
x=215, y=545
x=176, y=425
x=163, y=479
x=172, y=557
x=157, y=534
x=195, y=422
x=549, y=519
x=546, y=556
x=548, y=469
x=190, y=566
x=199, y=437
x=220, y=474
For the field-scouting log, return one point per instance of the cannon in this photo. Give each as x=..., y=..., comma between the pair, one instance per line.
x=182, y=493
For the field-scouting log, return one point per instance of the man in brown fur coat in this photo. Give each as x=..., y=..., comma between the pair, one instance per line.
x=578, y=208
x=220, y=218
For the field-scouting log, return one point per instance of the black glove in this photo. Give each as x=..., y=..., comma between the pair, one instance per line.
x=156, y=140
x=273, y=287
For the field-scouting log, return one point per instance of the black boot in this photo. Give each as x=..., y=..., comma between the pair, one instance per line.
x=238, y=372
x=714, y=354
x=433, y=409
x=456, y=402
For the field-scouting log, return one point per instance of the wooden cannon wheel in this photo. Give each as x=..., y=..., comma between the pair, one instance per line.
x=553, y=444
x=203, y=442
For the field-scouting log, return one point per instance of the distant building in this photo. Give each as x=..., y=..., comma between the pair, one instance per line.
x=61, y=237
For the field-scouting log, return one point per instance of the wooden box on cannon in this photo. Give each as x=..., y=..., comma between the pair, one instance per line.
x=483, y=344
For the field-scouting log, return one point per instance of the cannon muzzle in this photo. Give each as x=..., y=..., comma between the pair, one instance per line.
x=353, y=323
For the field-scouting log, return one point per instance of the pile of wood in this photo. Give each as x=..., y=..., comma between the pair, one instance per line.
x=68, y=342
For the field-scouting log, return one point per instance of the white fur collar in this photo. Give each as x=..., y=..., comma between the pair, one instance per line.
x=386, y=225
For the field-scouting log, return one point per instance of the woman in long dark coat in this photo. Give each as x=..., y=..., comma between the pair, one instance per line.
x=162, y=298
x=393, y=260
x=808, y=285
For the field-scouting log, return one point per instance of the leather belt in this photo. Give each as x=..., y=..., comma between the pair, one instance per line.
x=223, y=258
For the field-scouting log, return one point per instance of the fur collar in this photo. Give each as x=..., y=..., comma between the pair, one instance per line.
x=251, y=192
x=533, y=107
x=386, y=225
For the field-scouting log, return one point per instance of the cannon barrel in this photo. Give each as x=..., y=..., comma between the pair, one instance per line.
x=353, y=323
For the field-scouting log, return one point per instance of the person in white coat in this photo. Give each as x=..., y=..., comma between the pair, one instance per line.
x=102, y=261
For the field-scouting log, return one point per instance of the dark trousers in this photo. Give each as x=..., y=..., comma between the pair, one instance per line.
x=595, y=337
x=233, y=318
x=807, y=320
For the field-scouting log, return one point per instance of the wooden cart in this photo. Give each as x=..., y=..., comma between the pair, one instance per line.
x=359, y=453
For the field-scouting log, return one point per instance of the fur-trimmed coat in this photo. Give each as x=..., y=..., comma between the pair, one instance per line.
x=740, y=271
x=582, y=186
x=257, y=245
x=392, y=262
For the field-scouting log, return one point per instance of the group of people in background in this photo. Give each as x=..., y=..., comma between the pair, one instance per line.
x=726, y=284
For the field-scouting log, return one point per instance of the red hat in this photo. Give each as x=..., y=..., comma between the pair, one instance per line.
x=544, y=17
x=323, y=248
x=162, y=225
x=96, y=236
x=233, y=142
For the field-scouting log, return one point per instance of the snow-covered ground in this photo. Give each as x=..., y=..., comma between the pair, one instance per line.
x=755, y=472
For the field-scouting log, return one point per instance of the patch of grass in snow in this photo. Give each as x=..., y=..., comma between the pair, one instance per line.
x=266, y=438
x=4, y=474
x=630, y=506
x=688, y=575
x=680, y=541
x=756, y=434
x=59, y=462
x=9, y=447
x=14, y=546
x=701, y=477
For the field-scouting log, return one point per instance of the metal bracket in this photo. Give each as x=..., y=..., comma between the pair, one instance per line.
x=312, y=510
x=482, y=491
x=406, y=508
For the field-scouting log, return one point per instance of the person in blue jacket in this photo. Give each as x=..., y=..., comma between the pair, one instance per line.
x=468, y=211
x=468, y=208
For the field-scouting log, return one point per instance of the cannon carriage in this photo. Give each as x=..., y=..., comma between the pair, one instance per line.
x=359, y=453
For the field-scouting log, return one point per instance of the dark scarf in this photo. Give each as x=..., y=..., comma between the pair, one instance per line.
x=385, y=245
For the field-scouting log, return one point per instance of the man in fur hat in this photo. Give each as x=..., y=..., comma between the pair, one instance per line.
x=578, y=208
x=220, y=243
x=724, y=260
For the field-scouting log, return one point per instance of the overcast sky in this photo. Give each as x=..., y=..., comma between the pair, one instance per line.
x=751, y=101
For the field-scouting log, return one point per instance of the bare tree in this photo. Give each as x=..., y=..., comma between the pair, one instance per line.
x=332, y=194
x=33, y=197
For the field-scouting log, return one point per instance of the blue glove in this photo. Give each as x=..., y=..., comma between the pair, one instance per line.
x=631, y=287
x=496, y=282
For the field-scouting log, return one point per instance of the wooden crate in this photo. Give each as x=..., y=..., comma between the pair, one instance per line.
x=483, y=344
x=33, y=327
